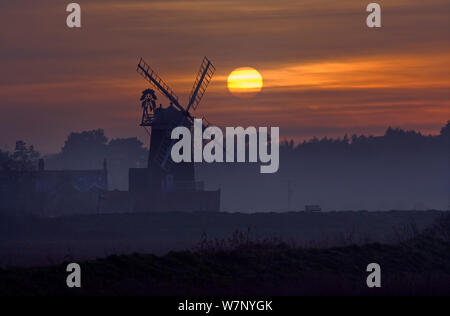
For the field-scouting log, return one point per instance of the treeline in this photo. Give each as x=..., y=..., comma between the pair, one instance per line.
x=399, y=170
x=83, y=151
x=89, y=149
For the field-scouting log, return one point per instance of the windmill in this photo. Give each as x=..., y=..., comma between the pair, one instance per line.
x=161, y=121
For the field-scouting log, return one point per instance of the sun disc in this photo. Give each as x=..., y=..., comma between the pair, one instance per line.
x=245, y=82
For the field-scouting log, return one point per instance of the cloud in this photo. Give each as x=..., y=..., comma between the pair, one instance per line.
x=323, y=69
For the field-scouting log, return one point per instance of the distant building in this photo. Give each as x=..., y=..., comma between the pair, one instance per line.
x=313, y=208
x=147, y=193
x=52, y=192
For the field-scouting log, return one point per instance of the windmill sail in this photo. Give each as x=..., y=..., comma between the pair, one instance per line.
x=202, y=81
x=165, y=148
x=151, y=76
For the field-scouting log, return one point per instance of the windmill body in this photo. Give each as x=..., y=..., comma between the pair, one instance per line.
x=165, y=185
x=172, y=176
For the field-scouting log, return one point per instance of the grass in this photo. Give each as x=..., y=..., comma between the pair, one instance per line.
x=242, y=265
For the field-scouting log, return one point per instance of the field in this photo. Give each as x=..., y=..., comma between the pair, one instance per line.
x=240, y=266
x=33, y=241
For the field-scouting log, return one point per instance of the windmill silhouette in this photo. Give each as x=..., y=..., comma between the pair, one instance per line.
x=164, y=173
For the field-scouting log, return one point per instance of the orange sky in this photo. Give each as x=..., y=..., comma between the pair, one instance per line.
x=325, y=72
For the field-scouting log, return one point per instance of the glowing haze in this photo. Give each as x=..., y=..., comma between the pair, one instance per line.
x=325, y=73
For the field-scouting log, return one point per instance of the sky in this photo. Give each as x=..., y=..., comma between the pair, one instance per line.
x=325, y=72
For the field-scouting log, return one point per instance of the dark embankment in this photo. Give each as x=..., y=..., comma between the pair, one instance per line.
x=239, y=266
x=34, y=241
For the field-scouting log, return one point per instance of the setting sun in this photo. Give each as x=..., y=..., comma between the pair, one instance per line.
x=245, y=82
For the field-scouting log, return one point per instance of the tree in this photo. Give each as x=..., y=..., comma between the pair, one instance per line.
x=128, y=149
x=124, y=154
x=85, y=150
x=4, y=159
x=445, y=131
x=23, y=159
x=85, y=141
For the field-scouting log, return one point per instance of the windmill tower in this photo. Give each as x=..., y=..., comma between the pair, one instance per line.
x=163, y=175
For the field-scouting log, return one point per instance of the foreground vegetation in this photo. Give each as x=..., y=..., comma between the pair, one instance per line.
x=242, y=266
